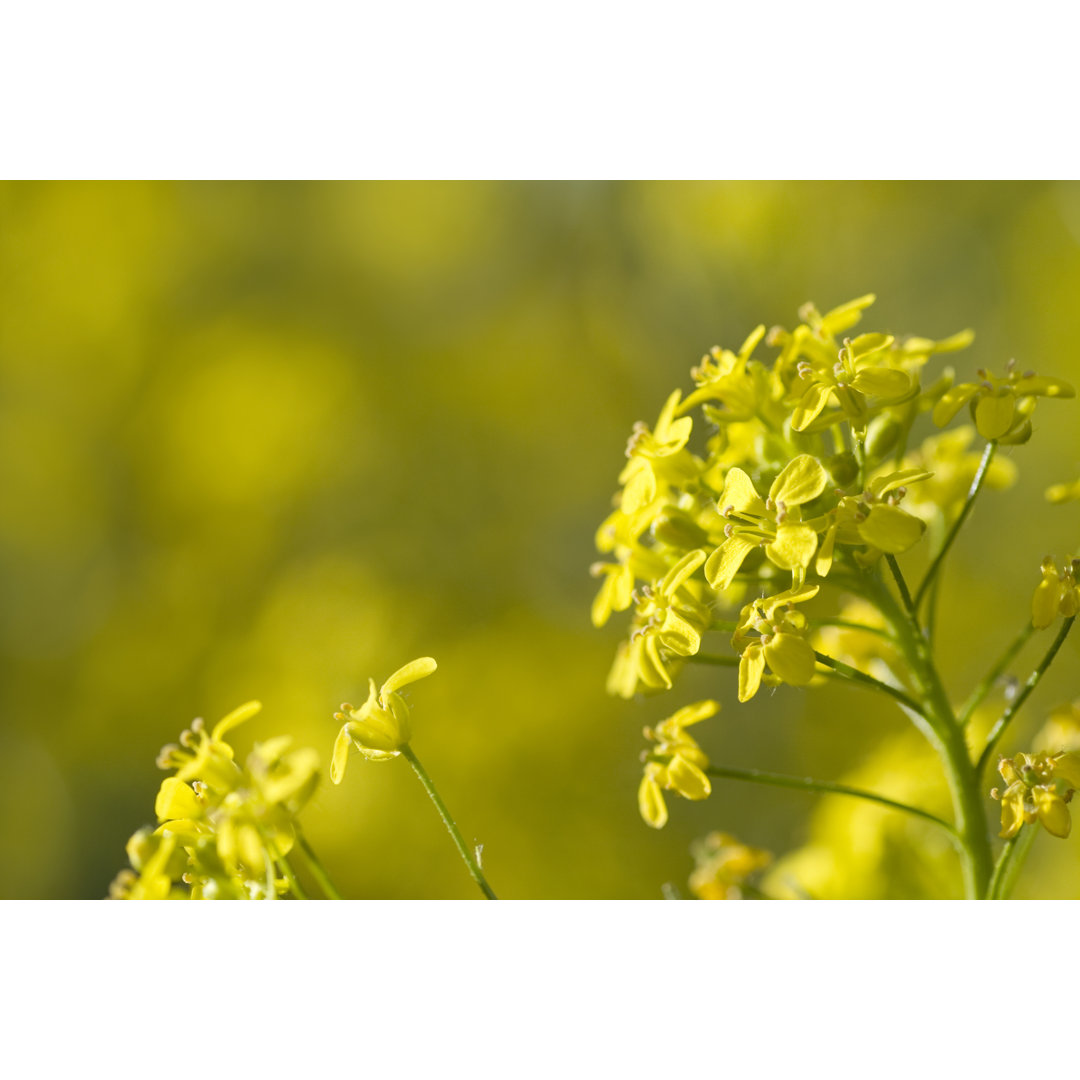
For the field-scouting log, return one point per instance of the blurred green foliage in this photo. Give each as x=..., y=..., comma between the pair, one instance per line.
x=265, y=440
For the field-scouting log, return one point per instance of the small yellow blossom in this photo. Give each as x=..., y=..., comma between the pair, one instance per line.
x=1056, y=594
x=723, y=866
x=380, y=727
x=774, y=524
x=1000, y=405
x=656, y=457
x=1040, y=786
x=676, y=763
x=781, y=643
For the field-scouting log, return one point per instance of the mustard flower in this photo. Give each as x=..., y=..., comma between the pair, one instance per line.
x=380, y=727
x=1062, y=493
x=723, y=866
x=1040, y=786
x=656, y=457
x=1000, y=405
x=781, y=643
x=858, y=373
x=774, y=524
x=1056, y=594
x=676, y=763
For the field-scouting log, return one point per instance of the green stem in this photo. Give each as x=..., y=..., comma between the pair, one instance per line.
x=902, y=588
x=847, y=624
x=318, y=871
x=291, y=878
x=978, y=695
x=1005, y=719
x=854, y=675
x=946, y=736
x=1010, y=862
x=969, y=502
x=714, y=660
x=823, y=787
x=448, y=821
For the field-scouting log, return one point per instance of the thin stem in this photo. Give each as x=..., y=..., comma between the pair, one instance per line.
x=824, y=787
x=448, y=821
x=291, y=878
x=901, y=585
x=1010, y=862
x=947, y=738
x=1014, y=706
x=714, y=660
x=318, y=871
x=978, y=695
x=854, y=675
x=969, y=502
x=847, y=624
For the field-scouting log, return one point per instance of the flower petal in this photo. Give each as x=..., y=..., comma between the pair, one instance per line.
x=802, y=479
x=413, y=671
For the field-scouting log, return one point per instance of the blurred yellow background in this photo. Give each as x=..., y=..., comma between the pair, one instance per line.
x=265, y=440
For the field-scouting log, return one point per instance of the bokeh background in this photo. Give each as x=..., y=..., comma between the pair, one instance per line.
x=265, y=440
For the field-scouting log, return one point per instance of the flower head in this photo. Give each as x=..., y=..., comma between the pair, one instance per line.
x=380, y=727
x=773, y=632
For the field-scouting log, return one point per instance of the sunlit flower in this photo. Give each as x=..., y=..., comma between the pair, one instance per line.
x=380, y=727
x=774, y=524
x=772, y=633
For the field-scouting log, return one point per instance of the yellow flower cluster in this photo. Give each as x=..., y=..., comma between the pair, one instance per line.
x=801, y=472
x=222, y=828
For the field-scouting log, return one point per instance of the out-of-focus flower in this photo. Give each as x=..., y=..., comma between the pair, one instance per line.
x=723, y=865
x=1056, y=594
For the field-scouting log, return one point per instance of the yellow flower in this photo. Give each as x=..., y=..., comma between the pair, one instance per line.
x=1040, y=786
x=207, y=757
x=781, y=643
x=858, y=373
x=222, y=828
x=873, y=520
x=1000, y=406
x=774, y=524
x=380, y=727
x=657, y=457
x=1062, y=493
x=723, y=865
x=676, y=763
x=1056, y=594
